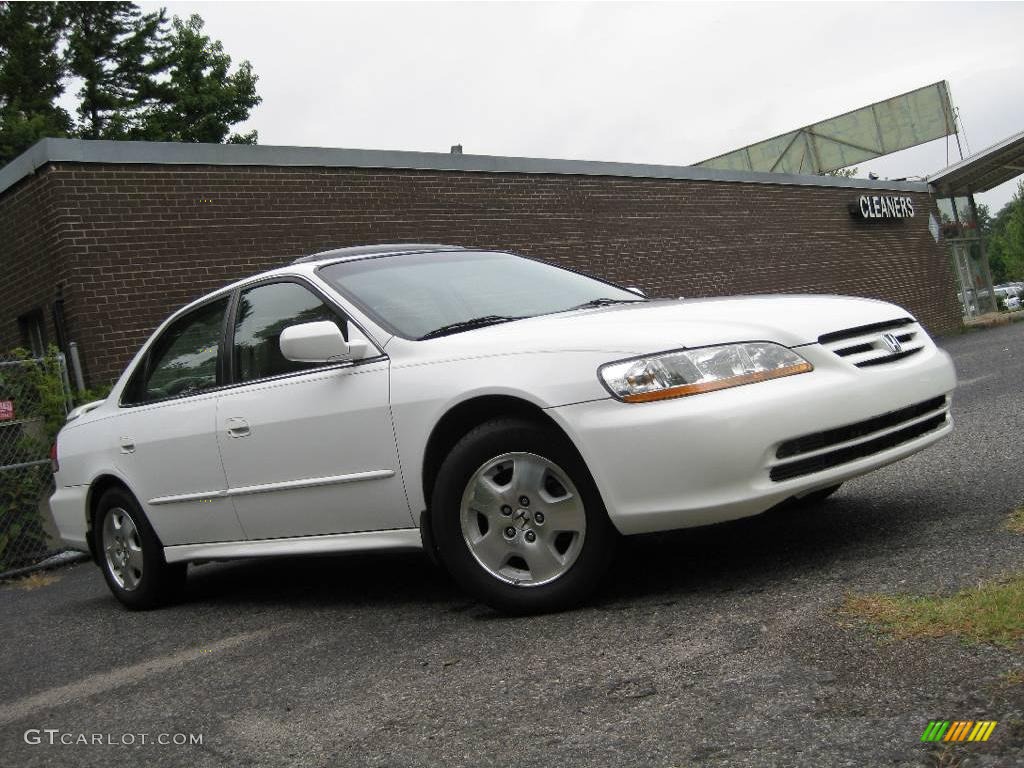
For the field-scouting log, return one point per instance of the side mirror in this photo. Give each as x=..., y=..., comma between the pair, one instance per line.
x=320, y=342
x=637, y=291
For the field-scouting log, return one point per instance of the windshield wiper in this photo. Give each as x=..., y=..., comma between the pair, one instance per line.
x=603, y=302
x=465, y=325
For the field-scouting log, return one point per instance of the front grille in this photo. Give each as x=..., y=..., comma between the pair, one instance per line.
x=864, y=346
x=818, y=443
x=862, y=330
x=888, y=358
x=819, y=440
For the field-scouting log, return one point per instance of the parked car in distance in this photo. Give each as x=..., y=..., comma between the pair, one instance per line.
x=512, y=417
x=1009, y=296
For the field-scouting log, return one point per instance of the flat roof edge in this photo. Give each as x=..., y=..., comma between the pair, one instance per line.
x=168, y=153
x=958, y=176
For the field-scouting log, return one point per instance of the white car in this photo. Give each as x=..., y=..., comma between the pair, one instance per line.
x=510, y=416
x=1009, y=296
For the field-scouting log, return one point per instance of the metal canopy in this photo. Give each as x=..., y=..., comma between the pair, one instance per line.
x=983, y=171
x=881, y=128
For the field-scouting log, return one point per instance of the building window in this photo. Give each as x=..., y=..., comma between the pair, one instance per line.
x=33, y=332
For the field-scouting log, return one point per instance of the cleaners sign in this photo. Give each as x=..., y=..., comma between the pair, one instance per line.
x=882, y=207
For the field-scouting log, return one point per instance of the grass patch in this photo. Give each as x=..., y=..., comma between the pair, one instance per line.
x=947, y=757
x=1012, y=678
x=35, y=580
x=1015, y=522
x=992, y=612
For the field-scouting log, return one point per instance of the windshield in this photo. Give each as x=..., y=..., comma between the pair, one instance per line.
x=430, y=294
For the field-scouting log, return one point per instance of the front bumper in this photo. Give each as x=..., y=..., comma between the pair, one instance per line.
x=709, y=457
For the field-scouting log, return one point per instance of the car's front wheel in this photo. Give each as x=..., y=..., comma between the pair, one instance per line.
x=518, y=520
x=131, y=556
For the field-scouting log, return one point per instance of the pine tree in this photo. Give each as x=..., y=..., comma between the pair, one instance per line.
x=30, y=76
x=139, y=80
x=199, y=100
x=112, y=47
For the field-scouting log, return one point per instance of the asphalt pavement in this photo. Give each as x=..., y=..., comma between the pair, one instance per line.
x=722, y=646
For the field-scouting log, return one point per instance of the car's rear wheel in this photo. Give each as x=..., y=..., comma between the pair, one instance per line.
x=517, y=519
x=131, y=556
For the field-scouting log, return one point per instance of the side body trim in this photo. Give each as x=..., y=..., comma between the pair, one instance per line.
x=399, y=539
x=286, y=485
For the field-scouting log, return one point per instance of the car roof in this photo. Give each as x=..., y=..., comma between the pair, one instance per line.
x=379, y=249
x=306, y=265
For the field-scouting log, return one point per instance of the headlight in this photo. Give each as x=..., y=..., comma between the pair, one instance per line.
x=692, y=371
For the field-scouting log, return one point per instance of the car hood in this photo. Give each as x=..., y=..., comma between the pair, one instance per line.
x=650, y=326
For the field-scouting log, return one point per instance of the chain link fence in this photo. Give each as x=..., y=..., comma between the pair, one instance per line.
x=34, y=399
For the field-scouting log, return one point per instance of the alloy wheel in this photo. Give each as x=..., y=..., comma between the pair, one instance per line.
x=523, y=519
x=122, y=548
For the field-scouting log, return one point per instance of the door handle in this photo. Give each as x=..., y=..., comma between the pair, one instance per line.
x=127, y=445
x=238, y=427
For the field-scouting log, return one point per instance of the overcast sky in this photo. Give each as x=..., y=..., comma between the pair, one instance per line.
x=670, y=83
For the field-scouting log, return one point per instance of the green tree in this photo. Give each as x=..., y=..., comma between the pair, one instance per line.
x=113, y=48
x=995, y=250
x=1004, y=242
x=984, y=222
x=984, y=219
x=139, y=80
x=198, y=99
x=30, y=76
x=1013, y=236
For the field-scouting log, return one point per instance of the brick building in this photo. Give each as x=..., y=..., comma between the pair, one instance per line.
x=101, y=240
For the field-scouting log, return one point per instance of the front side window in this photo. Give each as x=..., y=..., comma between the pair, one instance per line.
x=265, y=311
x=183, y=361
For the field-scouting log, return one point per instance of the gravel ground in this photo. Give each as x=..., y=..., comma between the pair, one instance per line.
x=722, y=646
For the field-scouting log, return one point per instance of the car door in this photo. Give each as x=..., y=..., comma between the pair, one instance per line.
x=308, y=448
x=165, y=441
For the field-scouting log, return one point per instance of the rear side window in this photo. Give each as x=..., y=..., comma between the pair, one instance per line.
x=265, y=311
x=183, y=360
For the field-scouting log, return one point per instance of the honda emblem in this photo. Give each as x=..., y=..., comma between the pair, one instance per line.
x=892, y=343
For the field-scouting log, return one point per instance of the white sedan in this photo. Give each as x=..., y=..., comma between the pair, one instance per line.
x=511, y=417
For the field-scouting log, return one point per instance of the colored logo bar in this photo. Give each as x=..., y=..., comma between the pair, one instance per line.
x=958, y=730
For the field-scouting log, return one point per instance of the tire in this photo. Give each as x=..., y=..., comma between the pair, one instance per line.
x=818, y=496
x=552, y=560
x=131, y=556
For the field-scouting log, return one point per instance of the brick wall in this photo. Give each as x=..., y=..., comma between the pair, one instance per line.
x=133, y=242
x=32, y=252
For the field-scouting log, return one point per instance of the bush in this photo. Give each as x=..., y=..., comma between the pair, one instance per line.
x=37, y=389
x=22, y=536
x=92, y=394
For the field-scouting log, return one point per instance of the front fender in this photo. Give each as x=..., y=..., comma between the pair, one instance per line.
x=422, y=393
